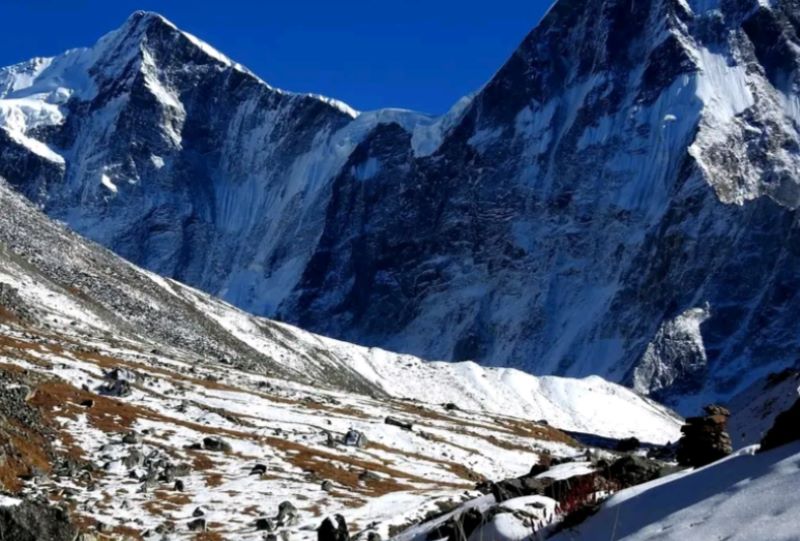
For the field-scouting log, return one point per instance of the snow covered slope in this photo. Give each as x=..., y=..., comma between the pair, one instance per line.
x=93, y=296
x=114, y=379
x=753, y=411
x=619, y=199
x=743, y=497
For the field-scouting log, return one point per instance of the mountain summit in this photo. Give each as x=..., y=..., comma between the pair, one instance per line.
x=619, y=199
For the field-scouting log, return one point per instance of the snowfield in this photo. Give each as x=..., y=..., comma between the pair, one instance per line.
x=744, y=497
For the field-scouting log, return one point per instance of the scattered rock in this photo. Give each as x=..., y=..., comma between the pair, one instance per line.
x=264, y=524
x=705, y=439
x=327, y=486
x=258, y=469
x=88, y=403
x=179, y=487
x=214, y=443
x=197, y=525
x=287, y=514
x=367, y=475
x=458, y=528
x=785, y=429
x=198, y=512
x=328, y=531
x=394, y=421
x=131, y=438
x=628, y=445
x=354, y=438
x=117, y=388
x=633, y=470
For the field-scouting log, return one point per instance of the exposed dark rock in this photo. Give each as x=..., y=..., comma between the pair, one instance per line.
x=258, y=469
x=131, y=438
x=354, y=438
x=287, y=514
x=704, y=439
x=394, y=421
x=214, y=443
x=31, y=521
x=328, y=531
x=197, y=525
x=785, y=429
x=633, y=470
x=264, y=524
x=628, y=445
x=118, y=388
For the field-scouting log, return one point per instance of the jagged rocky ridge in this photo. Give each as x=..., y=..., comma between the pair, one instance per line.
x=619, y=199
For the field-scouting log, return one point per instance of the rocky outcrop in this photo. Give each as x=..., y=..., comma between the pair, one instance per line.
x=30, y=521
x=785, y=430
x=704, y=439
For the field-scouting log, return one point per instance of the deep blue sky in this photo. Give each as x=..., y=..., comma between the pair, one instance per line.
x=415, y=54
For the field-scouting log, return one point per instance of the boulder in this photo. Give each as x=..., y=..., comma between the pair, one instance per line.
x=197, y=525
x=394, y=421
x=628, y=445
x=258, y=469
x=217, y=444
x=785, y=429
x=131, y=438
x=333, y=530
x=116, y=388
x=264, y=524
x=633, y=470
x=31, y=521
x=354, y=438
x=705, y=438
x=287, y=514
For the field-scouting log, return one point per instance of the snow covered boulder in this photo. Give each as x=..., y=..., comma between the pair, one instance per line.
x=516, y=519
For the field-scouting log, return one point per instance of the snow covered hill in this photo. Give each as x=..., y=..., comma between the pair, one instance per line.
x=619, y=199
x=135, y=400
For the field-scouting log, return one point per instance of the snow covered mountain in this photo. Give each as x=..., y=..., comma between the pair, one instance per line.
x=619, y=199
x=134, y=401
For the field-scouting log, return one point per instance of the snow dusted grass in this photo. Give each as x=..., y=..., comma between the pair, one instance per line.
x=173, y=405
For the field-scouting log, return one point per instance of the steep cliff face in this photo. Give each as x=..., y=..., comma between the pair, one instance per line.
x=619, y=199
